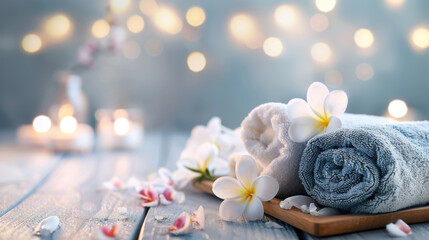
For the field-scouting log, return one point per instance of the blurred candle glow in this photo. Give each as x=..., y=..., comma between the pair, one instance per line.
x=420, y=37
x=397, y=108
x=196, y=61
x=273, y=47
x=68, y=124
x=364, y=38
x=100, y=28
x=364, y=71
x=121, y=126
x=148, y=7
x=119, y=6
x=42, y=124
x=135, y=23
x=57, y=26
x=195, y=16
x=131, y=50
x=325, y=5
x=321, y=52
x=167, y=20
x=333, y=78
x=31, y=43
x=286, y=16
x=319, y=22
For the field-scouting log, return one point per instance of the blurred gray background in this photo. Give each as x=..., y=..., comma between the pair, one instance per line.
x=235, y=79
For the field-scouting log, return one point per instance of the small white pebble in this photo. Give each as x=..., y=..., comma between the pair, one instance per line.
x=160, y=218
x=122, y=210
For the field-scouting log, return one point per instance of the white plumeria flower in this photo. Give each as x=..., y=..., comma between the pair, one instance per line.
x=204, y=160
x=399, y=229
x=228, y=141
x=243, y=195
x=319, y=114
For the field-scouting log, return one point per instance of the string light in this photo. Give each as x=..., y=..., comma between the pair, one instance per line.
x=319, y=22
x=273, y=47
x=167, y=20
x=321, y=52
x=397, y=108
x=57, y=26
x=195, y=16
x=135, y=23
x=42, y=124
x=325, y=5
x=68, y=124
x=244, y=29
x=196, y=61
x=131, y=50
x=119, y=6
x=364, y=71
x=420, y=38
x=100, y=28
x=364, y=38
x=31, y=43
x=286, y=16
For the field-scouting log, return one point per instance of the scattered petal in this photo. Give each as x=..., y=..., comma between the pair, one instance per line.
x=122, y=210
x=167, y=177
x=270, y=224
x=181, y=225
x=150, y=197
x=114, y=184
x=327, y=211
x=399, y=229
x=296, y=201
x=166, y=197
x=108, y=232
x=47, y=226
x=199, y=218
x=160, y=218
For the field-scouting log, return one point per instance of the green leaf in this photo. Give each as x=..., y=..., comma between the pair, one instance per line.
x=193, y=169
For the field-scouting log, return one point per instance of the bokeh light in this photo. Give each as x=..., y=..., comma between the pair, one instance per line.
x=286, y=16
x=131, y=50
x=321, y=52
x=319, y=22
x=325, y=5
x=333, y=78
x=167, y=20
x=394, y=3
x=364, y=38
x=420, y=38
x=195, y=16
x=397, y=108
x=120, y=113
x=135, y=23
x=153, y=47
x=148, y=7
x=31, y=43
x=68, y=124
x=273, y=47
x=42, y=124
x=196, y=61
x=121, y=126
x=244, y=29
x=364, y=71
x=119, y=6
x=57, y=26
x=65, y=110
x=100, y=28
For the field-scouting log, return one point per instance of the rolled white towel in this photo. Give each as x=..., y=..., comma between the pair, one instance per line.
x=265, y=136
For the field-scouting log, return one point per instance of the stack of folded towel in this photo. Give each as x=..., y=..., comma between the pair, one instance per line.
x=370, y=165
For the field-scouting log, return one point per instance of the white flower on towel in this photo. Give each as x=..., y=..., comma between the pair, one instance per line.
x=243, y=195
x=319, y=114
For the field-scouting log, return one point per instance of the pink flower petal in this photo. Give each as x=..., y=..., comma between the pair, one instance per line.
x=399, y=229
x=108, y=232
x=199, y=218
x=181, y=225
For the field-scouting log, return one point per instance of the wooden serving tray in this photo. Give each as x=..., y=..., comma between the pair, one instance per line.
x=333, y=225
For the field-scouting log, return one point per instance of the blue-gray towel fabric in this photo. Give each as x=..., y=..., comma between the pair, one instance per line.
x=369, y=169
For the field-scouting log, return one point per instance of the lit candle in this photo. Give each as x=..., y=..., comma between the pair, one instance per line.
x=72, y=136
x=121, y=133
x=36, y=134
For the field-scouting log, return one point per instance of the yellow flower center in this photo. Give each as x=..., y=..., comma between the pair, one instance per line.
x=323, y=122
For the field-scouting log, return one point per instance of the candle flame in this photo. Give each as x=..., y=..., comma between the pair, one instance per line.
x=68, y=124
x=121, y=126
x=42, y=124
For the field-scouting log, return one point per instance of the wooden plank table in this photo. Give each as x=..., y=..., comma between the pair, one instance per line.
x=35, y=184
